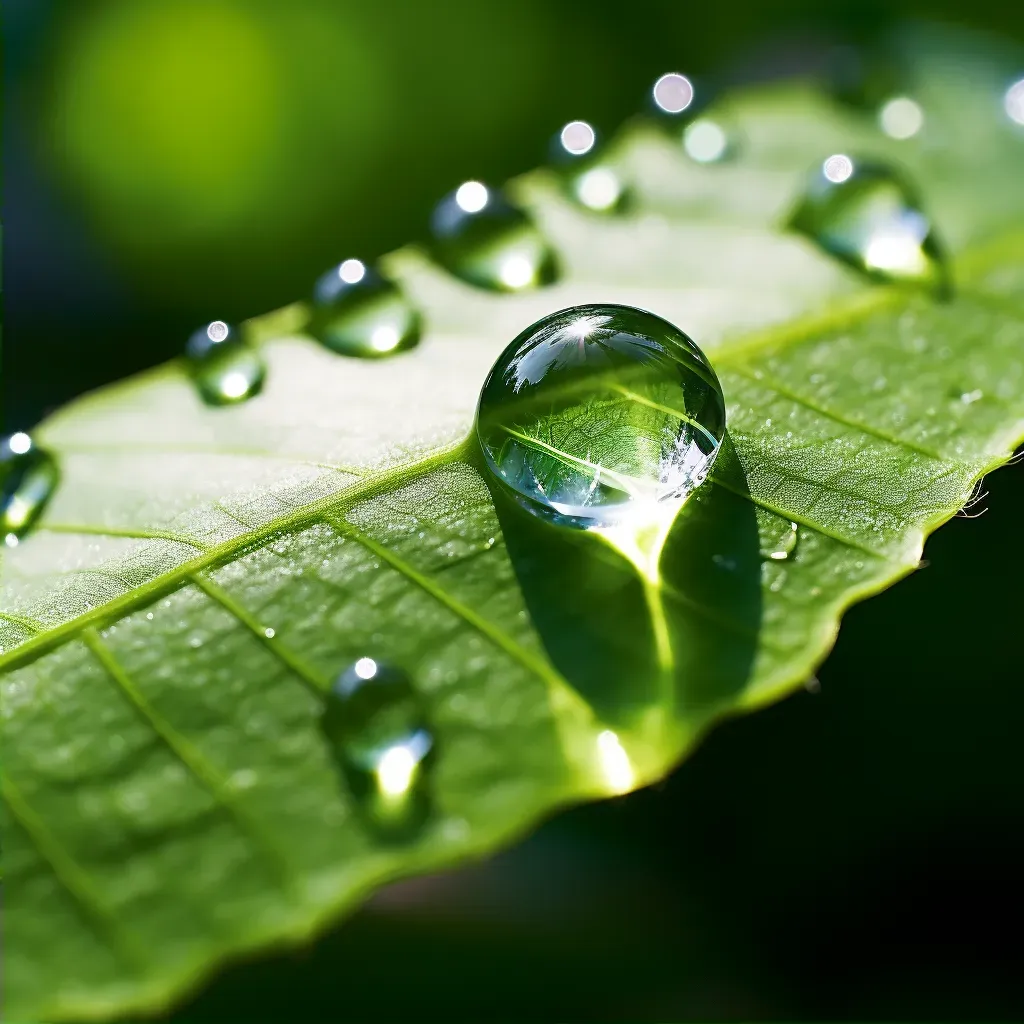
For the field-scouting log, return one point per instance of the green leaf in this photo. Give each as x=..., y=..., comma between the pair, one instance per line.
x=171, y=801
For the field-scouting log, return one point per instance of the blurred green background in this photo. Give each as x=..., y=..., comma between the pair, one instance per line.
x=850, y=854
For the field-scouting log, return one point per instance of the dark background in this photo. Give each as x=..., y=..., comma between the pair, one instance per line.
x=850, y=854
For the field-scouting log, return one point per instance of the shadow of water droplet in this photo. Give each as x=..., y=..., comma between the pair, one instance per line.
x=589, y=607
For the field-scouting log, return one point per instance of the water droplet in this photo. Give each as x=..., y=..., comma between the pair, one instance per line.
x=784, y=545
x=901, y=118
x=270, y=632
x=603, y=417
x=706, y=141
x=1013, y=102
x=589, y=180
x=357, y=311
x=225, y=369
x=378, y=730
x=869, y=216
x=970, y=397
x=482, y=238
x=28, y=477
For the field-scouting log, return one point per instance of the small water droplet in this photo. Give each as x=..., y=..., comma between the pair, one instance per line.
x=28, y=477
x=589, y=180
x=596, y=414
x=149, y=616
x=706, y=141
x=970, y=397
x=869, y=216
x=378, y=730
x=357, y=311
x=784, y=545
x=901, y=118
x=270, y=632
x=482, y=238
x=224, y=368
x=1013, y=102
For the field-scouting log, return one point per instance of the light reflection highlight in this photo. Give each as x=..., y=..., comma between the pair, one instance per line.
x=472, y=196
x=234, y=384
x=11, y=540
x=578, y=138
x=365, y=668
x=673, y=93
x=901, y=118
x=352, y=271
x=516, y=272
x=705, y=141
x=598, y=188
x=615, y=764
x=19, y=443
x=384, y=338
x=217, y=331
x=1013, y=102
x=837, y=168
x=395, y=771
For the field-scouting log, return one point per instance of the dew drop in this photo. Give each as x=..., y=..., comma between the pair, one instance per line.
x=378, y=731
x=481, y=237
x=869, y=216
x=602, y=417
x=224, y=368
x=28, y=477
x=588, y=178
x=357, y=311
x=784, y=545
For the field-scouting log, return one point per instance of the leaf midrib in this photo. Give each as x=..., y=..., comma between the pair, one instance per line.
x=974, y=262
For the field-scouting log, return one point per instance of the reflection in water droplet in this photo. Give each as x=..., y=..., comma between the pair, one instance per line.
x=224, y=368
x=614, y=763
x=28, y=477
x=378, y=731
x=359, y=312
x=869, y=216
x=603, y=417
x=901, y=118
x=479, y=236
x=706, y=141
x=588, y=178
x=1013, y=102
x=784, y=545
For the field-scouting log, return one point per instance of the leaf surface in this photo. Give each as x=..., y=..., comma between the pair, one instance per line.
x=171, y=801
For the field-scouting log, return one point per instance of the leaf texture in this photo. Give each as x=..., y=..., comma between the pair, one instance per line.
x=170, y=799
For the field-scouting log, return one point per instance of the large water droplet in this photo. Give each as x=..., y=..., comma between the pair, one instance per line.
x=378, y=730
x=225, y=369
x=868, y=215
x=359, y=312
x=478, y=235
x=28, y=476
x=603, y=417
x=588, y=178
